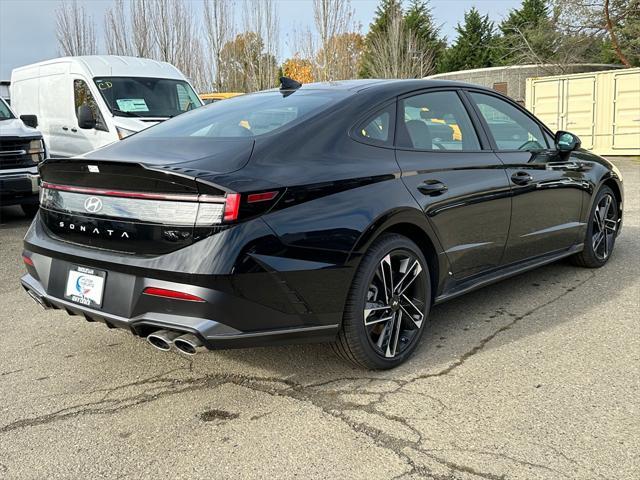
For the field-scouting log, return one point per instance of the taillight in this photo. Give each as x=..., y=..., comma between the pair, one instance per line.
x=172, y=294
x=199, y=210
x=27, y=260
x=231, y=207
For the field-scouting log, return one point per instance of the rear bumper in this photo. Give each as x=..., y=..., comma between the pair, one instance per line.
x=19, y=187
x=212, y=334
x=251, y=299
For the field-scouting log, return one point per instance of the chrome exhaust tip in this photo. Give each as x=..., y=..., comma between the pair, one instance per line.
x=37, y=298
x=162, y=339
x=187, y=344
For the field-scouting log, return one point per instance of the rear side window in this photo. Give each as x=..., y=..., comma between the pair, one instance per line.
x=247, y=115
x=83, y=96
x=435, y=121
x=378, y=128
x=511, y=128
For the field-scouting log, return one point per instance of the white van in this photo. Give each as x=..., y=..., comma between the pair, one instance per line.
x=83, y=103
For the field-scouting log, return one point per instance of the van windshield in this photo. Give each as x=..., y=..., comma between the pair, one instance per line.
x=147, y=97
x=5, y=113
x=247, y=115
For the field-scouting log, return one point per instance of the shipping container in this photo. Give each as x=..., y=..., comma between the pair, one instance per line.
x=602, y=108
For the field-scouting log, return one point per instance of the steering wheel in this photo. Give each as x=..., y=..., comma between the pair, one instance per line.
x=439, y=145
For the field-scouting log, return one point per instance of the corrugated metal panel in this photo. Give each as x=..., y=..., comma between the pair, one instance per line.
x=602, y=108
x=546, y=102
x=626, y=111
x=579, y=108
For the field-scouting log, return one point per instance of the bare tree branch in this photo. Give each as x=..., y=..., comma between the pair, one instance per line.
x=75, y=30
x=612, y=35
x=116, y=30
x=218, y=26
x=395, y=53
x=260, y=18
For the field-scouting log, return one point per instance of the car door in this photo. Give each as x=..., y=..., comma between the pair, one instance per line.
x=546, y=187
x=460, y=185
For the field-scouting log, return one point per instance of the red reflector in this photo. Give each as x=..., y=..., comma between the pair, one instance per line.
x=261, y=197
x=27, y=260
x=162, y=292
x=231, y=207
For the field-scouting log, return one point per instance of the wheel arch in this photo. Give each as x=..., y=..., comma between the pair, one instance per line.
x=412, y=224
x=612, y=181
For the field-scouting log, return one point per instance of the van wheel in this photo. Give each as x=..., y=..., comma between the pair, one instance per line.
x=30, y=209
x=601, y=231
x=387, y=306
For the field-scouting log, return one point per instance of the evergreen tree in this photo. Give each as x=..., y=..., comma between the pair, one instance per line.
x=419, y=20
x=531, y=14
x=385, y=12
x=528, y=33
x=474, y=45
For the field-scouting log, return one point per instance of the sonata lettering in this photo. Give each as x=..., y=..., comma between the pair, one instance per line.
x=95, y=231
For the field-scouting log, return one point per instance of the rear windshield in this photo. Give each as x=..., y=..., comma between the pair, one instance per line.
x=247, y=115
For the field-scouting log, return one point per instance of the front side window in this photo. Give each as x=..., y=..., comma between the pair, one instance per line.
x=435, y=121
x=511, y=128
x=82, y=96
x=147, y=97
x=246, y=115
x=5, y=112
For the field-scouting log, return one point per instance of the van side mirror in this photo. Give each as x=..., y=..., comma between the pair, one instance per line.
x=86, y=119
x=566, y=142
x=30, y=120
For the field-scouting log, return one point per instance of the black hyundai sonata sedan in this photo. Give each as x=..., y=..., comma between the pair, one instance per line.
x=336, y=212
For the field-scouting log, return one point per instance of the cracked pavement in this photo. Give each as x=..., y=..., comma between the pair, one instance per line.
x=536, y=377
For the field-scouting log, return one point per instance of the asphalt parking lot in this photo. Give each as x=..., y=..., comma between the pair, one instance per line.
x=535, y=377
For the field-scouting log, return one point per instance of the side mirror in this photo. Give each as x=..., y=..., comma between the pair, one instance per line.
x=30, y=120
x=566, y=142
x=86, y=120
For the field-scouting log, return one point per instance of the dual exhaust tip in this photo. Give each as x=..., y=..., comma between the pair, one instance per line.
x=186, y=343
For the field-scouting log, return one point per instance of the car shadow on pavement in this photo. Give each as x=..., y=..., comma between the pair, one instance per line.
x=13, y=216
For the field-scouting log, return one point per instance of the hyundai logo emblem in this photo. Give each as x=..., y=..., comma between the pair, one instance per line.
x=93, y=204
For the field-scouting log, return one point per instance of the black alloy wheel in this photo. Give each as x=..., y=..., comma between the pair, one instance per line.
x=388, y=305
x=601, y=231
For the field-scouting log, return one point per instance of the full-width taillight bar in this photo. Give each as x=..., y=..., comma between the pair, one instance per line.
x=211, y=209
x=179, y=197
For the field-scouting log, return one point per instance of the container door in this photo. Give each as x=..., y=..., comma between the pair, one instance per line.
x=626, y=111
x=547, y=102
x=580, y=100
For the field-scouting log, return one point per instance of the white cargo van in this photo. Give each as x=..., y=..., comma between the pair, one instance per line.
x=83, y=103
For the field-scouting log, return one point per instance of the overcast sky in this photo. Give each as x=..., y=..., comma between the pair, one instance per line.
x=27, y=27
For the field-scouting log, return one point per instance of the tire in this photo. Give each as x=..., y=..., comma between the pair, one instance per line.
x=30, y=209
x=388, y=332
x=598, y=249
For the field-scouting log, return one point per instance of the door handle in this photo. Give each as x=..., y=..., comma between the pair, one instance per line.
x=65, y=128
x=74, y=130
x=521, y=178
x=432, y=188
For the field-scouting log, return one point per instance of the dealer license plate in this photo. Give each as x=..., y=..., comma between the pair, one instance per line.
x=85, y=286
